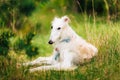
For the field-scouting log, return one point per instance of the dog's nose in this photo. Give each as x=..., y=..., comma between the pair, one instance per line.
x=50, y=42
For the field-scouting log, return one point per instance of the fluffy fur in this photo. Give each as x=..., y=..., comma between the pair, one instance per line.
x=69, y=48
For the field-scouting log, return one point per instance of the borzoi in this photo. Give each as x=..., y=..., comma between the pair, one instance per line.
x=69, y=49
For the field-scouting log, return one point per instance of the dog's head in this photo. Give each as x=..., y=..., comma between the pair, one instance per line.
x=57, y=27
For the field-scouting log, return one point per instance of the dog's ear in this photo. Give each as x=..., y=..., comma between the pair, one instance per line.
x=66, y=19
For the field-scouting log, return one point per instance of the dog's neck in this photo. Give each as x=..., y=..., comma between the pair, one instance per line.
x=67, y=35
x=67, y=40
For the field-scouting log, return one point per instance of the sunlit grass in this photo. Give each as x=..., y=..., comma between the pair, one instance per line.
x=105, y=66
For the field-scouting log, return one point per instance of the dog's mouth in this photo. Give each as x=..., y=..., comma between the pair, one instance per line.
x=50, y=42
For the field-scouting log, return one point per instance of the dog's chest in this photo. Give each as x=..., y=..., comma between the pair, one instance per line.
x=59, y=52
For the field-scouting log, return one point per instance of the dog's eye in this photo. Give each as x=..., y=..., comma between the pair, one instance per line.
x=51, y=27
x=58, y=28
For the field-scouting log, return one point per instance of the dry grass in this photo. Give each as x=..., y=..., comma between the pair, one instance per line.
x=105, y=66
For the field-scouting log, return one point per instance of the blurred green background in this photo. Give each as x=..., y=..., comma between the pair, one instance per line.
x=25, y=29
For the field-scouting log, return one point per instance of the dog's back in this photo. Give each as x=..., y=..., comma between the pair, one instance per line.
x=82, y=50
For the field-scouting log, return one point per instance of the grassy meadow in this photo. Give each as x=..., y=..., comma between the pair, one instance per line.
x=105, y=35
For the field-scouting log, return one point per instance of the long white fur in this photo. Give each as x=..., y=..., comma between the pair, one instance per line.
x=69, y=48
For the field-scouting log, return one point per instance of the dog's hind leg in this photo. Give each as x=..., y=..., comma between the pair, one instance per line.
x=48, y=67
x=57, y=66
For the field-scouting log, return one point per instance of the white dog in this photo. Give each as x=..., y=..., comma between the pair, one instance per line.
x=69, y=49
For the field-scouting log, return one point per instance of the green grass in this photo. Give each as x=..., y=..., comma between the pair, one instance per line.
x=105, y=36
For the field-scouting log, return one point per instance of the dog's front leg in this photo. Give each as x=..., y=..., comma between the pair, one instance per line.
x=43, y=60
x=65, y=64
x=40, y=60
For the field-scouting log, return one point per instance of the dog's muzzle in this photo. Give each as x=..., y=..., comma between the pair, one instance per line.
x=50, y=42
